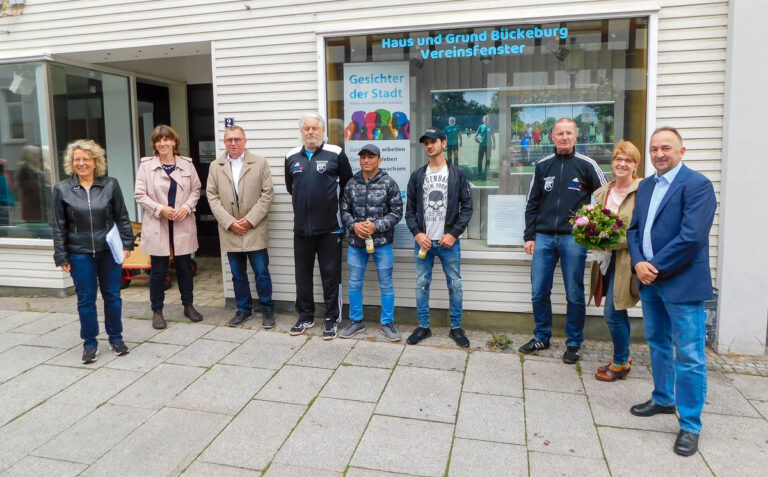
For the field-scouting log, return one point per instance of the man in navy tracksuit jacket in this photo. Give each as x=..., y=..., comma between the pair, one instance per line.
x=315, y=175
x=562, y=182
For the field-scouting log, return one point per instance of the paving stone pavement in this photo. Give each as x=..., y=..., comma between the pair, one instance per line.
x=201, y=399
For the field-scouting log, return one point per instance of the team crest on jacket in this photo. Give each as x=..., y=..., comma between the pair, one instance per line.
x=549, y=182
x=321, y=166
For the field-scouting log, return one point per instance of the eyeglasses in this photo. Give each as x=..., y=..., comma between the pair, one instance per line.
x=234, y=140
x=625, y=161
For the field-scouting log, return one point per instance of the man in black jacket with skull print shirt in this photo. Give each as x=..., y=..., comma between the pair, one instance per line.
x=437, y=213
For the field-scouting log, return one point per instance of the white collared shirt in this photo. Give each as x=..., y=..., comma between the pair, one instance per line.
x=237, y=166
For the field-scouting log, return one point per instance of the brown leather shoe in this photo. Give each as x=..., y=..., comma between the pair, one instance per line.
x=192, y=314
x=158, y=322
x=610, y=373
x=603, y=369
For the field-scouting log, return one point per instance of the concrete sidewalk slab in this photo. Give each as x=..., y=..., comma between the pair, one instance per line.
x=412, y=446
x=203, y=353
x=494, y=373
x=204, y=469
x=560, y=423
x=34, y=428
x=327, y=435
x=470, y=458
x=735, y=445
x=356, y=383
x=32, y=465
x=375, y=354
x=322, y=354
x=154, y=389
x=223, y=389
x=435, y=358
x=544, y=464
x=295, y=385
x=145, y=356
x=90, y=438
x=179, y=434
x=551, y=376
x=491, y=418
x=33, y=387
x=420, y=393
x=244, y=443
x=610, y=403
x=724, y=398
x=182, y=333
x=634, y=452
x=265, y=349
x=21, y=358
x=97, y=388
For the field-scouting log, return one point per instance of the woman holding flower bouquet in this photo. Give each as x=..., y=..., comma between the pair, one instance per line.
x=616, y=272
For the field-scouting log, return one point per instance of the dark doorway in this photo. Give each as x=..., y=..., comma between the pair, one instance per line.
x=154, y=107
x=202, y=147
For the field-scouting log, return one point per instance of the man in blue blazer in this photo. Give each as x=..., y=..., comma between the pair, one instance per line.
x=669, y=244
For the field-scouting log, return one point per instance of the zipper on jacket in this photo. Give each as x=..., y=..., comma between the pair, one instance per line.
x=559, y=194
x=90, y=215
x=309, y=202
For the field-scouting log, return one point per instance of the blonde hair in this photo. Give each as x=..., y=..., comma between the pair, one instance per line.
x=628, y=149
x=92, y=148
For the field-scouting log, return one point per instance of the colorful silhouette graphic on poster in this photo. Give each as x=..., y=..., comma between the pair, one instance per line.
x=377, y=126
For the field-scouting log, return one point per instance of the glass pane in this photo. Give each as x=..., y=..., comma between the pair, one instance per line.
x=26, y=162
x=497, y=90
x=90, y=104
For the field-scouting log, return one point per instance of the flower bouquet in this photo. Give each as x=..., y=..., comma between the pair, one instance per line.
x=597, y=228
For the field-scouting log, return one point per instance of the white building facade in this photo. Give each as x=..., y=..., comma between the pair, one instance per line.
x=111, y=70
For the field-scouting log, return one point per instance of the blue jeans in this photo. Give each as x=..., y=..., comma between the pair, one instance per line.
x=87, y=272
x=238, y=263
x=677, y=380
x=549, y=249
x=617, y=320
x=383, y=258
x=451, y=260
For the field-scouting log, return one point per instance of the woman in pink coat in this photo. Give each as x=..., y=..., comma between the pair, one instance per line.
x=168, y=188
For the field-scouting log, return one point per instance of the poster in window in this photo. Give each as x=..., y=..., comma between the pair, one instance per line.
x=377, y=110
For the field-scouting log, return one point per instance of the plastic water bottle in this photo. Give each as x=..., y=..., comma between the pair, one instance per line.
x=422, y=253
x=369, y=244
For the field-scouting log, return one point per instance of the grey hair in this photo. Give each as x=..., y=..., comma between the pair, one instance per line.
x=234, y=127
x=306, y=116
x=312, y=115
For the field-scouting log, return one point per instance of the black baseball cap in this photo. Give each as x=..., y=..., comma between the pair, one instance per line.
x=369, y=148
x=432, y=133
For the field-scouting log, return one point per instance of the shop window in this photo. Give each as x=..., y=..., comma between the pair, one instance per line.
x=26, y=164
x=497, y=91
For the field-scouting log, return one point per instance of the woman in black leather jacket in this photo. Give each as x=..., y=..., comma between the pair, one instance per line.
x=85, y=207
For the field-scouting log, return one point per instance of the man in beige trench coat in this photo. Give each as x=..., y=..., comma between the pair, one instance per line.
x=240, y=193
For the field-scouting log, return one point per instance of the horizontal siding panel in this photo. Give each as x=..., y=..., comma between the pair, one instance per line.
x=691, y=56
x=691, y=90
x=692, y=45
x=666, y=69
x=700, y=99
x=692, y=78
x=690, y=111
x=687, y=34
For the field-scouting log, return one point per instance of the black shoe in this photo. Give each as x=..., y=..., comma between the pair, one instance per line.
x=686, y=444
x=119, y=348
x=459, y=337
x=572, y=354
x=650, y=408
x=301, y=326
x=268, y=319
x=89, y=355
x=533, y=346
x=192, y=314
x=239, y=318
x=418, y=335
x=331, y=327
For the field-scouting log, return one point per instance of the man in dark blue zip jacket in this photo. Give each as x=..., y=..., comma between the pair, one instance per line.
x=315, y=175
x=562, y=182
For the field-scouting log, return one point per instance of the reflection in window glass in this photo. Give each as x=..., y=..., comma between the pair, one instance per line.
x=26, y=167
x=497, y=91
